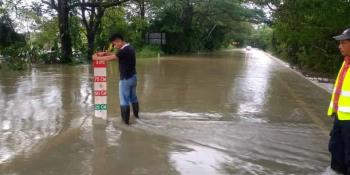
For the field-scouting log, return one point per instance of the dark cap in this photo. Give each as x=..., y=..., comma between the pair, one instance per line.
x=344, y=36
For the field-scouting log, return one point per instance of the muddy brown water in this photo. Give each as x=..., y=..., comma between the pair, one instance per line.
x=232, y=112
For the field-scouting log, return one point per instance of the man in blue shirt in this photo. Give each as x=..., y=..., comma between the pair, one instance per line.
x=128, y=79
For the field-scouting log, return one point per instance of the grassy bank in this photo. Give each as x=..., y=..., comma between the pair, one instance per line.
x=149, y=51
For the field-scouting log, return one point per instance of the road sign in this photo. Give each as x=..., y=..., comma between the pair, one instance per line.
x=155, y=38
x=100, y=88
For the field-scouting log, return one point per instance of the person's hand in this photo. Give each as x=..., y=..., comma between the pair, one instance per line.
x=104, y=56
x=101, y=54
x=95, y=56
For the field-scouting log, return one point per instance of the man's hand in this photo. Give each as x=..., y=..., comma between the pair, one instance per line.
x=101, y=54
x=104, y=56
x=95, y=56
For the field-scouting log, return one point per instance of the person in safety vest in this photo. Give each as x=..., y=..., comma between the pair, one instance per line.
x=339, y=110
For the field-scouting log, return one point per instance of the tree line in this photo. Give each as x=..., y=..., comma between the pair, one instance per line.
x=76, y=28
x=301, y=32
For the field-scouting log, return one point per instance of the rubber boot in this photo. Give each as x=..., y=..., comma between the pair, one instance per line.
x=135, y=109
x=338, y=167
x=348, y=171
x=125, y=111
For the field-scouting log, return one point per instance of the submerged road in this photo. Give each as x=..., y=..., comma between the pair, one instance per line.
x=233, y=112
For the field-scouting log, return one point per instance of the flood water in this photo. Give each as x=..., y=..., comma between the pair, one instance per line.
x=233, y=112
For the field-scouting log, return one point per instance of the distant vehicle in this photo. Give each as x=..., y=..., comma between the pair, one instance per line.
x=248, y=48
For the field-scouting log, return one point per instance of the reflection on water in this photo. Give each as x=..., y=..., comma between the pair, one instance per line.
x=226, y=113
x=194, y=159
x=253, y=85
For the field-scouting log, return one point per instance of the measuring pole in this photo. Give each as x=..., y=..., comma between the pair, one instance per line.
x=100, y=88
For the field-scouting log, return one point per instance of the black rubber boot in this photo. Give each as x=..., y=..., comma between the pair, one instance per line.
x=135, y=109
x=348, y=171
x=125, y=111
x=338, y=167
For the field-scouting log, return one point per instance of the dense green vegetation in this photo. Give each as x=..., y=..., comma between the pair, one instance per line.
x=66, y=31
x=301, y=32
x=204, y=25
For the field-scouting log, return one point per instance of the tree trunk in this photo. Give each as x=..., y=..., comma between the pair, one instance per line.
x=91, y=44
x=92, y=27
x=63, y=22
x=142, y=6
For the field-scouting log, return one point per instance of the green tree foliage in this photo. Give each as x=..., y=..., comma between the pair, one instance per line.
x=112, y=22
x=79, y=39
x=261, y=37
x=303, y=30
x=8, y=35
x=116, y=19
x=47, y=35
x=84, y=26
x=11, y=42
x=193, y=25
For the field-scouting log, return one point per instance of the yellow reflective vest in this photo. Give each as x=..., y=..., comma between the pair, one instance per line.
x=344, y=98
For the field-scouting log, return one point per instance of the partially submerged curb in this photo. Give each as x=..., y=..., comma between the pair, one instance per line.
x=329, y=89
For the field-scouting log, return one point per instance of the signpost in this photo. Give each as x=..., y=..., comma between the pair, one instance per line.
x=155, y=38
x=100, y=88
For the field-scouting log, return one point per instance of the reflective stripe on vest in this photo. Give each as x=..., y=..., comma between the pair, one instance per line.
x=344, y=93
x=341, y=108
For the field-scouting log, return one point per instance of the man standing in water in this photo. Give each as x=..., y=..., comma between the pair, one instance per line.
x=128, y=79
x=339, y=110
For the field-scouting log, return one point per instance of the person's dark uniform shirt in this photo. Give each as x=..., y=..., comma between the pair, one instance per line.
x=127, y=62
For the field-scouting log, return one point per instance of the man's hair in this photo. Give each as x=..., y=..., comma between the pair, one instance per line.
x=116, y=36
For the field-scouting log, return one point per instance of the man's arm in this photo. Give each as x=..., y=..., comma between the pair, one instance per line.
x=100, y=54
x=104, y=56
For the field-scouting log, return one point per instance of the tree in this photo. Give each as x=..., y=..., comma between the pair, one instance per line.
x=139, y=13
x=261, y=37
x=47, y=36
x=113, y=21
x=142, y=5
x=303, y=30
x=8, y=35
x=91, y=13
x=62, y=8
x=204, y=25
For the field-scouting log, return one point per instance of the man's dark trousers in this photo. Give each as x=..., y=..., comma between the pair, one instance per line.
x=339, y=146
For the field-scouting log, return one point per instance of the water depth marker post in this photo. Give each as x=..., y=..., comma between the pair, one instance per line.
x=100, y=88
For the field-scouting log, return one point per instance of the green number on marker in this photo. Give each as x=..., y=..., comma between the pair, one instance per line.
x=101, y=107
